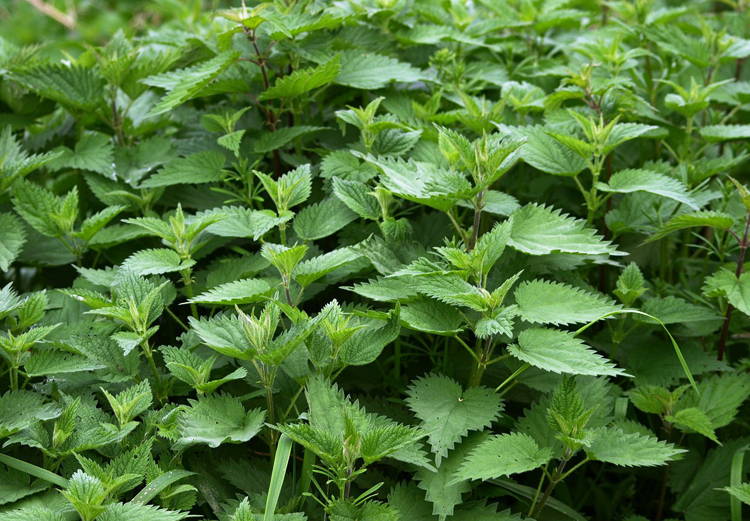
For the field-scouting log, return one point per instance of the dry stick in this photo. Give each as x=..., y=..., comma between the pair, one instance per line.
x=737, y=273
x=54, y=13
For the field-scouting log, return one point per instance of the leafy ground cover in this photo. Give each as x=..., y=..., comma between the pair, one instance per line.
x=374, y=260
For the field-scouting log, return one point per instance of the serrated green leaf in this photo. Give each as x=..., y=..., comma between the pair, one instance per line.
x=217, y=419
x=369, y=71
x=638, y=180
x=156, y=262
x=270, y=141
x=185, y=84
x=560, y=352
x=612, y=445
x=307, y=272
x=357, y=196
x=691, y=220
x=302, y=81
x=503, y=455
x=541, y=230
x=322, y=219
x=12, y=240
x=449, y=412
x=245, y=291
x=546, y=302
x=198, y=168
x=717, y=133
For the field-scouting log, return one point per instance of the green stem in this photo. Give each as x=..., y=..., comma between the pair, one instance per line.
x=514, y=375
x=556, y=478
x=157, y=379
x=482, y=365
x=187, y=278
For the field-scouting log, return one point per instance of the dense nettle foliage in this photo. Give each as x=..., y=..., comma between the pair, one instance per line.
x=374, y=260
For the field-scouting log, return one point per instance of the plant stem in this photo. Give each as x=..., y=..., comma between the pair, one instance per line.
x=556, y=478
x=150, y=357
x=187, y=279
x=737, y=273
x=663, y=489
x=482, y=364
x=477, y=221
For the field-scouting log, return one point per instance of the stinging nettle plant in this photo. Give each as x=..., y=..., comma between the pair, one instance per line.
x=374, y=260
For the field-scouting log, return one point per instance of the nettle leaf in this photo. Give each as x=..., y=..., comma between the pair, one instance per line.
x=358, y=197
x=20, y=409
x=724, y=283
x=692, y=220
x=503, y=455
x=637, y=180
x=673, y=310
x=741, y=492
x=540, y=230
x=37, y=206
x=187, y=83
x=33, y=513
x=217, y=419
x=247, y=291
x=422, y=183
x=15, y=485
x=448, y=412
x=302, y=81
x=244, y=222
x=693, y=419
x=156, y=262
x=441, y=489
x=612, y=445
x=52, y=362
x=718, y=133
x=322, y=219
x=370, y=71
x=560, y=352
x=546, y=302
x=94, y=152
x=384, y=289
x=545, y=153
x=623, y=132
x=76, y=88
x=198, y=168
x=426, y=315
x=307, y=272
x=95, y=223
x=224, y=334
x=452, y=290
x=366, y=345
x=12, y=240
x=137, y=512
x=720, y=398
x=270, y=141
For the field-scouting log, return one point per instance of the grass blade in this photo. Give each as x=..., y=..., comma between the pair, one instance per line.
x=33, y=470
x=280, y=462
x=677, y=350
x=735, y=479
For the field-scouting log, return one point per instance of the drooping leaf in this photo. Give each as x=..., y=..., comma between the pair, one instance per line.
x=560, y=352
